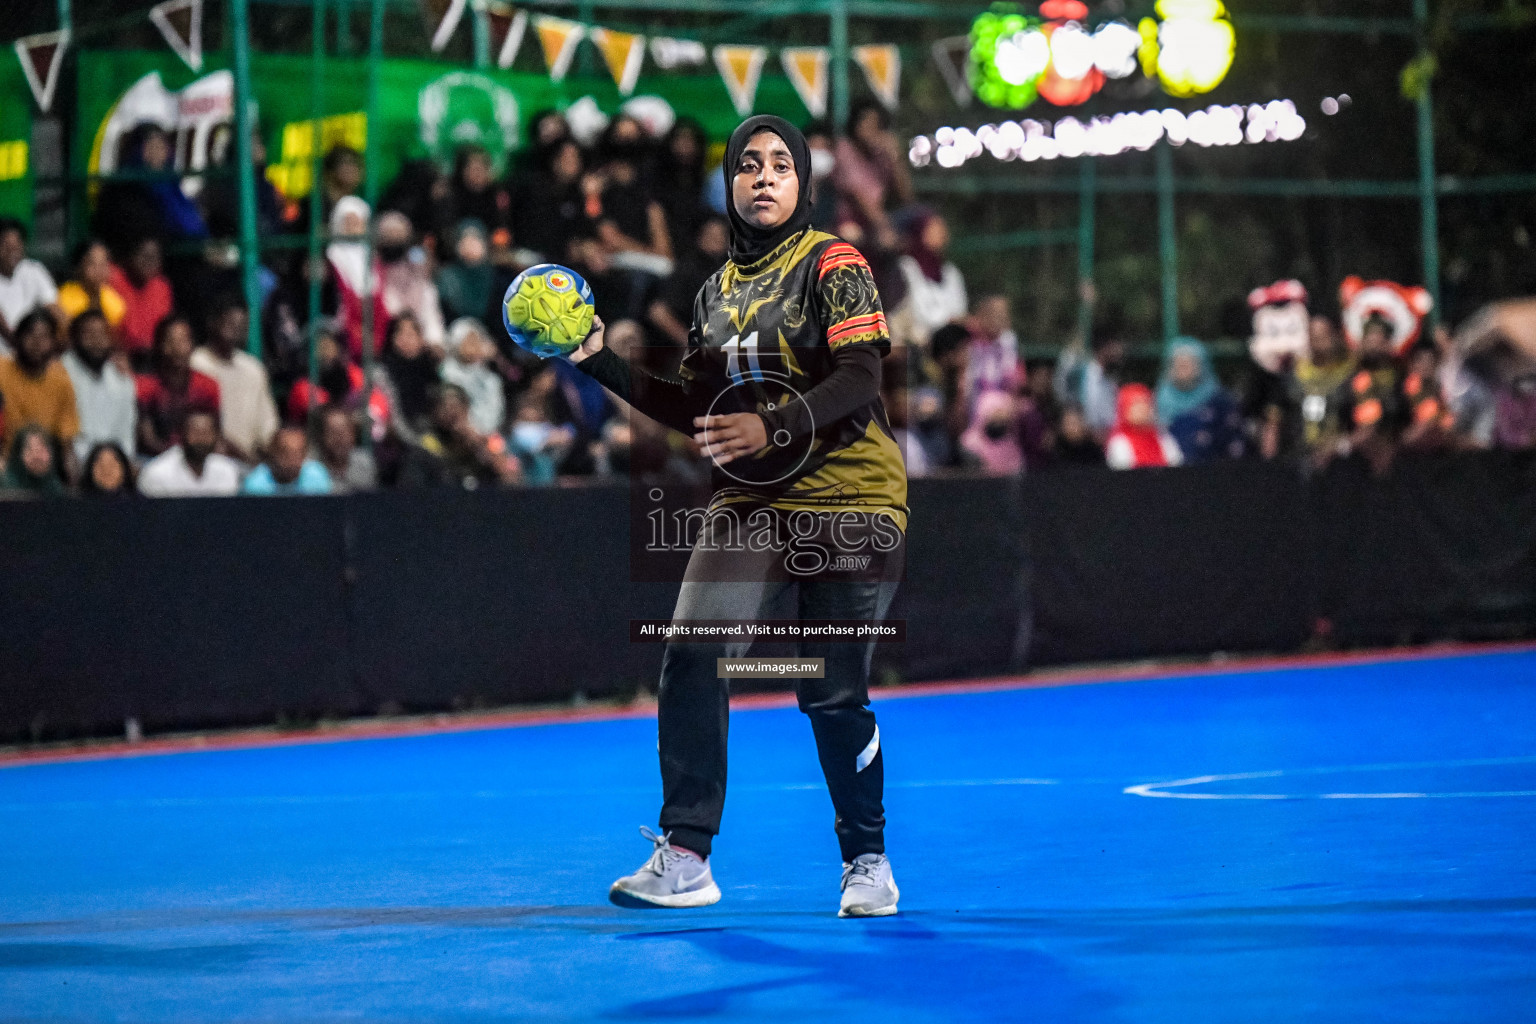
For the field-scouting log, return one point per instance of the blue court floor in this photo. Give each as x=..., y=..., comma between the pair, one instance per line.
x=1346, y=843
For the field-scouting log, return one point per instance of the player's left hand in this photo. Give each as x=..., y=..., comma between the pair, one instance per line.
x=726, y=438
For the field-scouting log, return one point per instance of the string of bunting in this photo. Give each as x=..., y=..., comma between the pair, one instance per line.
x=180, y=23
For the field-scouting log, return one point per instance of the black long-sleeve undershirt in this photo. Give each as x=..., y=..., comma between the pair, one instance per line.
x=666, y=400
x=853, y=383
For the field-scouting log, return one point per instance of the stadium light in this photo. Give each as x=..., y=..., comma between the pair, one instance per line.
x=1017, y=57
x=1031, y=140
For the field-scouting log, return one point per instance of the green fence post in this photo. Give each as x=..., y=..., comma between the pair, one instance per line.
x=1087, y=203
x=480, y=32
x=838, y=9
x=371, y=194
x=1167, y=241
x=240, y=29
x=1429, y=211
x=316, y=199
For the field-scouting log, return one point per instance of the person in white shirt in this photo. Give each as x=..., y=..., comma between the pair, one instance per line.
x=192, y=468
x=25, y=284
x=935, y=287
x=105, y=396
x=246, y=408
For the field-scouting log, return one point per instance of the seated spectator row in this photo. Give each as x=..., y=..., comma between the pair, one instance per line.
x=377, y=367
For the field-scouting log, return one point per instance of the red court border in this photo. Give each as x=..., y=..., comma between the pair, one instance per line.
x=367, y=729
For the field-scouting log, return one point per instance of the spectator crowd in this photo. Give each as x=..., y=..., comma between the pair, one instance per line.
x=133, y=376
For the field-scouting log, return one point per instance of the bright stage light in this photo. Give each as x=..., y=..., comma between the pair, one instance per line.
x=1115, y=45
x=1031, y=140
x=1018, y=57
x=1023, y=57
x=1196, y=46
x=1071, y=51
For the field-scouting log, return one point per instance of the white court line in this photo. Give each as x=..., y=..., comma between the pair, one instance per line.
x=1162, y=789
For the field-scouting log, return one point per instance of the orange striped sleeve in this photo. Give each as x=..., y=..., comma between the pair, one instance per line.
x=840, y=254
x=847, y=294
x=858, y=329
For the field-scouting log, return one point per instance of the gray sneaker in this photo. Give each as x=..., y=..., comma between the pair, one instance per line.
x=869, y=890
x=671, y=878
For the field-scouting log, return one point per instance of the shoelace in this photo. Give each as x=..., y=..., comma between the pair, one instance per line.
x=861, y=873
x=664, y=856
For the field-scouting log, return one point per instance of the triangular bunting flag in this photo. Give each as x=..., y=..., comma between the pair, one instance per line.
x=449, y=21
x=953, y=56
x=508, y=26
x=741, y=67
x=623, y=52
x=45, y=51
x=559, y=38
x=806, y=67
x=181, y=24
x=676, y=53
x=882, y=70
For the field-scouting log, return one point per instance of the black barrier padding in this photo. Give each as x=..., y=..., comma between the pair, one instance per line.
x=208, y=612
x=478, y=598
x=963, y=597
x=1440, y=548
x=211, y=611
x=1162, y=562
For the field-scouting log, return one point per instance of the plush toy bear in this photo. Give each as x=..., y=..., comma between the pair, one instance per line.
x=1404, y=310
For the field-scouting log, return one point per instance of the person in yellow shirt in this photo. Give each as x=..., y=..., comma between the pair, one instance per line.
x=89, y=288
x=35, y=388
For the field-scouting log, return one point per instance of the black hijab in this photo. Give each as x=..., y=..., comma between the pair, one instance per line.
x=748, y=242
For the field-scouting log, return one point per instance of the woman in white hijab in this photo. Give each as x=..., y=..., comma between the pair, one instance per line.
x=470, y=351
x=355, y=272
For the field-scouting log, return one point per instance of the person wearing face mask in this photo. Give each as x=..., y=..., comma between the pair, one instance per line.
x=408, y=285
x=992, y=440
x=780, y=388
x=538, y=443
x=679, y=181
x=818, y=136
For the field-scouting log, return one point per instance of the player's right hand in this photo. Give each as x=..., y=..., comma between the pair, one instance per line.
x=592, y=346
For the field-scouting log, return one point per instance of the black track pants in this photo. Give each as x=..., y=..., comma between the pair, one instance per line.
x=694, y=707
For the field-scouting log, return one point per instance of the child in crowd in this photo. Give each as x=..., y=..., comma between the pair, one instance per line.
x=1137, y=442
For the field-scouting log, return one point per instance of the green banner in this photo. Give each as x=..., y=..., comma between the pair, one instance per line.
x=425, y=107
x=15, y=141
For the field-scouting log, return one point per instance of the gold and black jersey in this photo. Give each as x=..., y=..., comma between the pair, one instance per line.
x=763, y=335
